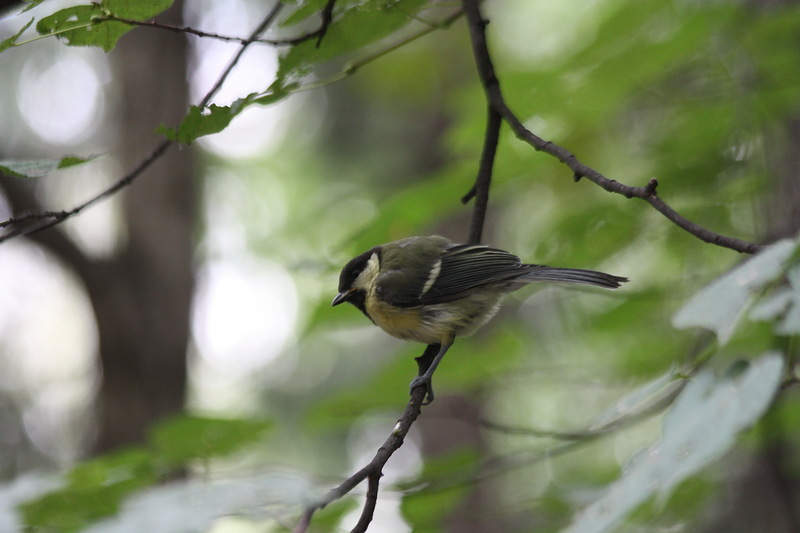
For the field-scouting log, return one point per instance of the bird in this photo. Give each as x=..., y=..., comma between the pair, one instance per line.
x=431, y=290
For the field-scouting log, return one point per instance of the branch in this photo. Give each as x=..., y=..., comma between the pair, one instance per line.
x=570, y=441
x=480, y=190
x=371, y=472
x=35, y=222
x=20, y=195
x=268, y=20
x=327, y=18
x=31, y=223
x=648, y=193
x=179, y=29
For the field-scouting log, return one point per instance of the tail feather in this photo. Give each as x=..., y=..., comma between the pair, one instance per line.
x=573, y=275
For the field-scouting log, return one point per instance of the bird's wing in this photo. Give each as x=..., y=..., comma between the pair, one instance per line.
x=459, y=269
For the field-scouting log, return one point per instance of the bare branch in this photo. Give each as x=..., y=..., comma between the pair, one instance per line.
x=480, y=190
x=372, y=471
x=179, y=29
x=269, y=19
x=35, y=222
x=648, y=193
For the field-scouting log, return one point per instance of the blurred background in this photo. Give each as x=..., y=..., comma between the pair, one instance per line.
x=206, y=284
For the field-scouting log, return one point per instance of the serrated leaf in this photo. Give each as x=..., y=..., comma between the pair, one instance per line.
x=187, y=438
x=38, y=168
x=702, y=424
x=5, y=44
x=719, y=306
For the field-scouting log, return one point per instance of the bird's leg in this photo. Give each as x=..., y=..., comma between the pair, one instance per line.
x=427, y=367
x=424, y=361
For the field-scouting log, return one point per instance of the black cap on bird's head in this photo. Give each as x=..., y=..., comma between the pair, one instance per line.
x=356, y=276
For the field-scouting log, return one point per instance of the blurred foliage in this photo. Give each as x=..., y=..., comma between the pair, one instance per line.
x=96, y=488
x=574, y=382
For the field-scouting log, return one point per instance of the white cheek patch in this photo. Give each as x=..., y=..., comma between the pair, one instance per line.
x=367, y=277
x=432, y=277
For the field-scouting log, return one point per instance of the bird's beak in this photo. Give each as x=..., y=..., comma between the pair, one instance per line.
x=341, y=297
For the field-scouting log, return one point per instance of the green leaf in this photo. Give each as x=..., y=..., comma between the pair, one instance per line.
x=213, y=119
x=38, y=168
x=199, y=122
x=88, y=25
x=94, y=489
x=83, y=26
x=136, y=9
x=305, y=10
x=719, y=306
x=187, y=437
x=702, y=424
x=196, y=505
x=5, y=44
x=357, y=27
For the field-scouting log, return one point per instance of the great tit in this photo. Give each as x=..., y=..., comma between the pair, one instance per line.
x=431, y=290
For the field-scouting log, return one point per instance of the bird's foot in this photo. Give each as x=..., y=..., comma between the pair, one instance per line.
x=423, y=381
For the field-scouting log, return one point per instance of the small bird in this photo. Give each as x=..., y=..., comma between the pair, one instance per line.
x=431, y=290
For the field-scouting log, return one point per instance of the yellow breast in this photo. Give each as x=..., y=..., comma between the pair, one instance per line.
x=408, y=323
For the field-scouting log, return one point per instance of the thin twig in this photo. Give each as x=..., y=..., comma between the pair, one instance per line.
x=250, y=40
x=181, y=29
x=52, y=218
x=319, y=33
x=327, y=18
x=372, y=471
x=648, y=193
x=570, y=440
x=371, y=500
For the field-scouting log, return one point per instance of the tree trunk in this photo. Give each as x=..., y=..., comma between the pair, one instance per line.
x=142, y=298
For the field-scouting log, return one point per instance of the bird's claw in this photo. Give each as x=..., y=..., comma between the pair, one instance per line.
x=423, y=381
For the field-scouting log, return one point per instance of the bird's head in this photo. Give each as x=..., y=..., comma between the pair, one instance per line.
x=357, y=277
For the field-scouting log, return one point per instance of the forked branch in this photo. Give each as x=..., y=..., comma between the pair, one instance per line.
x=494, y=97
